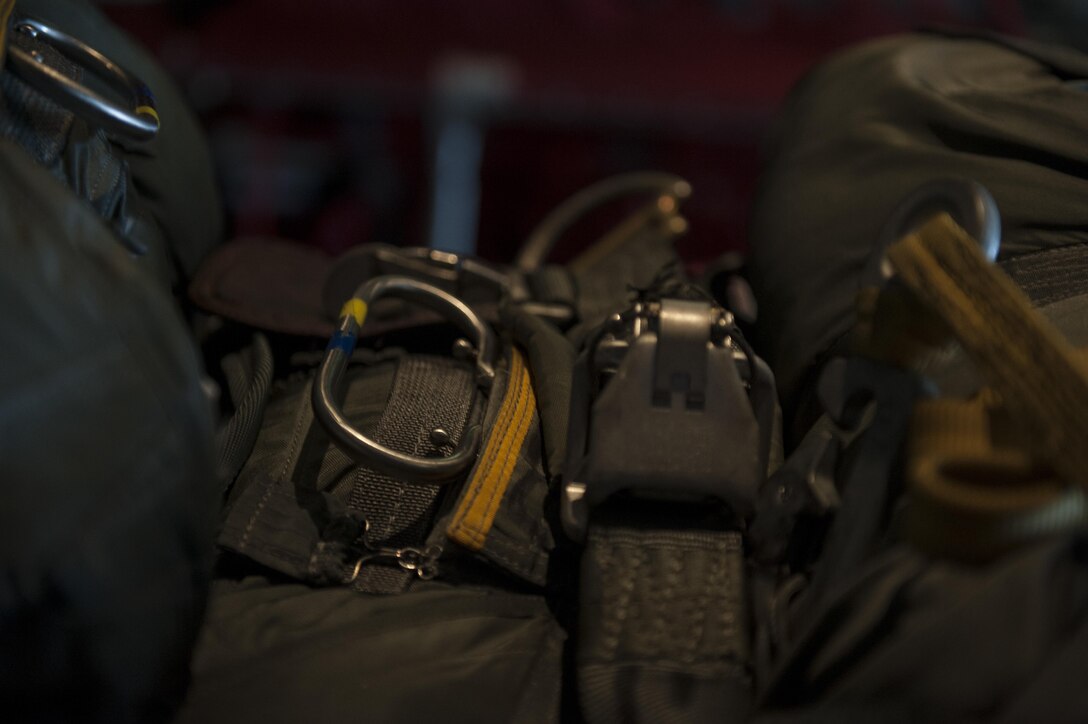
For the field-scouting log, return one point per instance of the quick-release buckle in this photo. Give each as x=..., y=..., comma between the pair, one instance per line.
x=139, y=120
x=669, y=403
x=410, y=468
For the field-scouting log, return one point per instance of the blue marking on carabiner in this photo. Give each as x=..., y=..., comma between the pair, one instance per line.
x=343, y=341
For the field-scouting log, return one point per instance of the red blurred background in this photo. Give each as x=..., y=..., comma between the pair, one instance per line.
x=461, y=123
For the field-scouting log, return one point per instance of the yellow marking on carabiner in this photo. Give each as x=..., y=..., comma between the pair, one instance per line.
x=148, y=111
x=355, y=308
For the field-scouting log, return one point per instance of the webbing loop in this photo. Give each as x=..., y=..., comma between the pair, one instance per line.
x=988, y=473
x=1019, y=352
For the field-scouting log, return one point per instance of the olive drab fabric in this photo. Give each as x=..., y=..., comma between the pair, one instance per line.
x=289, y=580
x=109, y=490
x=872, y=124
x=881, y=627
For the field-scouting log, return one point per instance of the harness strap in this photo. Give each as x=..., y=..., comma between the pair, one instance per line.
x=1051, y=275
x=306, y=510
x=976, y=493
x=475, y=514
x=662, y=622
x=1030, y=365
x=988, y=473
x=248, y=373
x=428, y=394
x=629, y=256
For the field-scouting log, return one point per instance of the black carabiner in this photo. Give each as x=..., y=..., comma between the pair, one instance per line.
x=359, y=447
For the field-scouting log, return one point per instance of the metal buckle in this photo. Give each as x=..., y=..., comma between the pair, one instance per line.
x=670, y=403
x=140, y=121
x=471, y=280
x=358, y=446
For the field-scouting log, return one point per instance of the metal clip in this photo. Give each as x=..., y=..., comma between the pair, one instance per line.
x=139, y=121
x=424, y=562
x=410, y=468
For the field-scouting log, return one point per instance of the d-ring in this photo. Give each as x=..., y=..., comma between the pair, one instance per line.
x=140, y=122
x=968, y=202
x=359, y=447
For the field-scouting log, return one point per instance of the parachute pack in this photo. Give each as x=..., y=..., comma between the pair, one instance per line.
x=409, y=485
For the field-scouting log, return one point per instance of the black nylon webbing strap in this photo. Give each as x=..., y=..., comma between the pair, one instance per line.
x=662, y=625
x=605, y=286
x=299, y=501
x=249, y=380
x=428, y=393
x=1051, y=275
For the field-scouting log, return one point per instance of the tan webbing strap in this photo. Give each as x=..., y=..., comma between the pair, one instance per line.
x=974, y=491
x=6, y=7
x=1019, y=353
x=476, y=512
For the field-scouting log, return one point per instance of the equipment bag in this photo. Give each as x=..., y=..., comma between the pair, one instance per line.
x=431, y=479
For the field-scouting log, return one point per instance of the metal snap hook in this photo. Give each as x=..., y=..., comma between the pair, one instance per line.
x=140, y=121
x=327, y=410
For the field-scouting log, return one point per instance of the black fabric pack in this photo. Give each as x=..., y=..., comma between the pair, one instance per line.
x=870, y=126
x=873, y=629
x=107, y=447
x=342, y=592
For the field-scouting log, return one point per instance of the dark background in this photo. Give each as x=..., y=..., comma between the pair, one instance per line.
x=461, y=123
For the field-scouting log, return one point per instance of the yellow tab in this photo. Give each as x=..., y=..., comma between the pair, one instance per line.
x=354, y=308
x=6, y=6
x=476, y=511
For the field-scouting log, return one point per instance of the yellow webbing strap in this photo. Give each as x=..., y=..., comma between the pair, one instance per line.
x=987, y=474
x=6, y=7
x=476, y=512
x=1018, y=352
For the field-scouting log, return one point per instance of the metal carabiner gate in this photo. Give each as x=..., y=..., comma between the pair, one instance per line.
x=359, y=447
x=140, y=122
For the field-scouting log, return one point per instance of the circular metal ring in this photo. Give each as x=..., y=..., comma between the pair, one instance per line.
x=359, y=447
x=139, y=122
x=968, y=202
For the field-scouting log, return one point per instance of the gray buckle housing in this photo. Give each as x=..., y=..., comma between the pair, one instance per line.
x=675, y=416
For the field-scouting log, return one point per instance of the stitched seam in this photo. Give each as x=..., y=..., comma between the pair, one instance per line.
x=456, y=529
x=494, y=443
x=508, y=460
x=270, y=485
